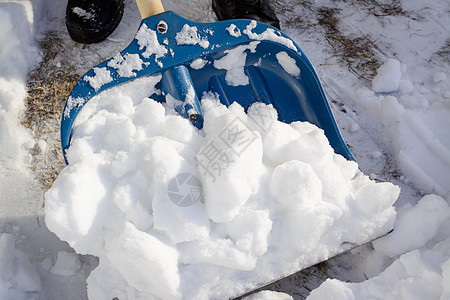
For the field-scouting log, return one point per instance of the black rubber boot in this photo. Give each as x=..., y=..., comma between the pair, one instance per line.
x=258, y=10
x=92, y=21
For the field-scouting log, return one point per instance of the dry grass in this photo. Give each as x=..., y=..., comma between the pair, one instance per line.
x=444, y=52
x=48, y=87
x=356, y=53
x=373, y=7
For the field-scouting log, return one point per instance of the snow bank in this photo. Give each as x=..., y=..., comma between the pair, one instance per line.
x=18, y=52
x=173, y=212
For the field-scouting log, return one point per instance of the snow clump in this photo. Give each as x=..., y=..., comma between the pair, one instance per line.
x=288, y=63
x=175, y=212
x=388, y=77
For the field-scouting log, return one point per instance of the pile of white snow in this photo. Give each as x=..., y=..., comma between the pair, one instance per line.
x=28, y=250
x=18, y=53
x=176, y=212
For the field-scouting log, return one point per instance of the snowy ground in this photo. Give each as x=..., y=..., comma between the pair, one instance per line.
x=395, y=120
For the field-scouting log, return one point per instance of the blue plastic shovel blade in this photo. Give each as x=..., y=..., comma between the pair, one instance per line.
x=168, y=44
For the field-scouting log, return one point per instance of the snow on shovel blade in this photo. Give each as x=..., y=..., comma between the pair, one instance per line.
x=240, y=60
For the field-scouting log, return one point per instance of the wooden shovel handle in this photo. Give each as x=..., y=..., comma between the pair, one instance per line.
x=149, y=8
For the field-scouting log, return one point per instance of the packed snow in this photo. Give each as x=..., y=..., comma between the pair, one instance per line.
x=189, y=36
x=121, y=199
x=261, y=195
x=288, y=63
x=146, y=38
x=102, y=76
x=234, y=62
x=126, y=65
x=269, y=35
x=18, y=52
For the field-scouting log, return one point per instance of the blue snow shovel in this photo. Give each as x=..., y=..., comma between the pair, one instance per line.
x=273, y=70
x=185, y=54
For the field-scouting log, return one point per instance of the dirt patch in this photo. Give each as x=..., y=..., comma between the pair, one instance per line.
x=48, y=87
x=444, y=52
x=356, y=53
x=383, y=9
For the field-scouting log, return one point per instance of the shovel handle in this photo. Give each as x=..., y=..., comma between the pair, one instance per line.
x=148, y=8
x=176, y=81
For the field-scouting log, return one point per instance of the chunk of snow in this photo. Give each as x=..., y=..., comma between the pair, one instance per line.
x=189, y=36
x=414, y=228
x=406, y=86
x=269, y=35
x=229, y=165
x=127, y=64
x=102, y=76
x=198, y=63
x=288, y=63
x=148, y=264
x=148, y=40
x=233, y=30
x=67, y=264
x=72, y=103
x=19, y=54
x=376, y=154
x=439, y=77
x=234, y=62
x=355, y=127
x=388, y=77
x=332, y=288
